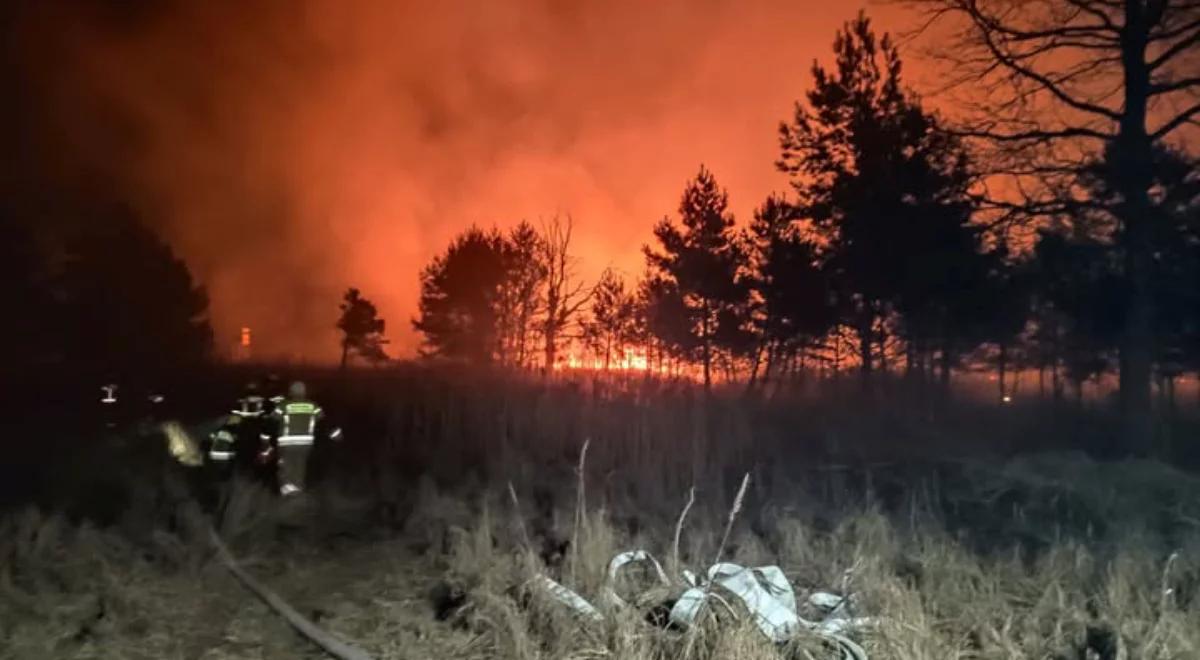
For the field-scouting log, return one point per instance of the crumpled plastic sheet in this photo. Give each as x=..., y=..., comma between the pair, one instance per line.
x=574, y=601
x=764, y=591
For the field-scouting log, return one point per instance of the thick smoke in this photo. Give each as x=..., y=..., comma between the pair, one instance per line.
x=291, y=149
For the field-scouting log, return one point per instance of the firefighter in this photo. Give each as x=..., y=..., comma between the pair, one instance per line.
x=251, y=412
x=251, y=405
x=222, y=449
x=296, y=419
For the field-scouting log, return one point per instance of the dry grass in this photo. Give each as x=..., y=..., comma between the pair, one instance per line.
x=1042, y=557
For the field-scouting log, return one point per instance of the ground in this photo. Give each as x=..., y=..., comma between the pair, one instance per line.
x=1048, y=554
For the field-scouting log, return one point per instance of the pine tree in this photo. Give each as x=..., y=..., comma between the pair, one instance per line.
x=793, y=307
x=460, y=290
x=886, y=192
x=362, y=329
x=702, y=261
x=612, y=324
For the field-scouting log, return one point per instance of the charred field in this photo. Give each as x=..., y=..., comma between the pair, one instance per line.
x=964, y=530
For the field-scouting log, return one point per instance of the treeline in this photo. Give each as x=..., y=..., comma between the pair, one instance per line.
x=907, y=243
x=90, y=292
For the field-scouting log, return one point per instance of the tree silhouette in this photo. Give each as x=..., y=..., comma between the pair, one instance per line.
x=665, y=320
x=793, y=308
x=1173, y=240
x=362, y=329
x=948, y=293
x=1003, y=309
x=703, y=260
x=1077, y=279
x=1176, y=273
x=131, y=305
x=887, y=195
x=522, y=294
x=612, y=325
x=1053, y=83
x=460, y=291
x=565, y=293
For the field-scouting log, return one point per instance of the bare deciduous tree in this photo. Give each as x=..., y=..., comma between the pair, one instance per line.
x=565, y=293
x=1048, y=86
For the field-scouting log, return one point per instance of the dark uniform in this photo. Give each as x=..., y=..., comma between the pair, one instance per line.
x=251, y=412
x=232, y=445
x=222, y=449
x=295, y=419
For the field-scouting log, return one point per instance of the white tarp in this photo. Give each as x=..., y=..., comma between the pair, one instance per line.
x=764, y=591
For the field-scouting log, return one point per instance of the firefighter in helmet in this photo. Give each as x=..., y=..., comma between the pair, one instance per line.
x=222, y=450
x=251, y=405
x=231, y=445
x=295, y=418
x=250, y=414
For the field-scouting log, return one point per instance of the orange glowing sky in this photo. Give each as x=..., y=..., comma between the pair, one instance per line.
x=291, y=149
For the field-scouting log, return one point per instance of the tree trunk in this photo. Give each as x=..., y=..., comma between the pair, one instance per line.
x=1133, y=162
x=837, y=354
x=754, y=366
x=551, y=347
x=769, y=367
x=865, y=352
x=881, y=339
x=706, y=347
x=1002, y=368
x=345, y=353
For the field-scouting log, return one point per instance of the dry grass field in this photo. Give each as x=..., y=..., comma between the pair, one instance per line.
x=430, y=527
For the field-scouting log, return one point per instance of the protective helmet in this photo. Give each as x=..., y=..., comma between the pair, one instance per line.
x=297, y=390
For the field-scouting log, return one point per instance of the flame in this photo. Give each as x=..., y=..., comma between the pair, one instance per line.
x=631, y=359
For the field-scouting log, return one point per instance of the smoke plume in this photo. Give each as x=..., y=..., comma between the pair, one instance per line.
x=289, y=150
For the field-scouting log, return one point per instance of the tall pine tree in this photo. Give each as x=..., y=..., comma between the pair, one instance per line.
x=887, y=195
x=702, y=259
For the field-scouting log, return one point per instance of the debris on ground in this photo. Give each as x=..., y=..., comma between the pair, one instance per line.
x=763, y=592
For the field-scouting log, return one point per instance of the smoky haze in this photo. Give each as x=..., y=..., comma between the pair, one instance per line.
x=288, y=150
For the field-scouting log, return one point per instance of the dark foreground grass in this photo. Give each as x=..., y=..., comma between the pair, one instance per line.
x=413, y=546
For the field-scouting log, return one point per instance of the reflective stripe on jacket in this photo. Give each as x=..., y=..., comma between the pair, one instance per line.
x=297, y=422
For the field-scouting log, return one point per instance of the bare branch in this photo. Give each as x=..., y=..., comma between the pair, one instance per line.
x=1166, y=35
x=1035, y=135
x=1173, y=86
x=1175, y=49
x=1045, y=82
x=1090, y=8
x=1182, y=118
